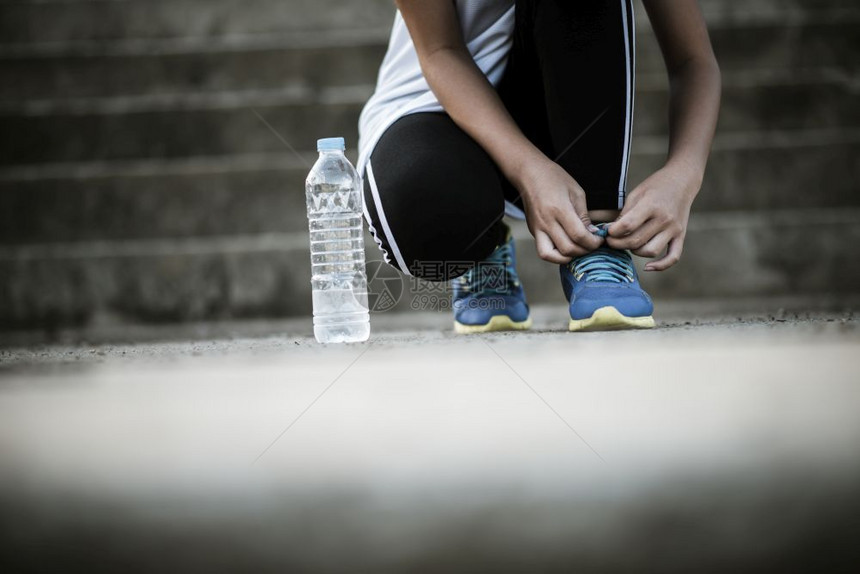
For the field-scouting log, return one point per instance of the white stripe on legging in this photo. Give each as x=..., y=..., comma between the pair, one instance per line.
x=373, y=232
x=383, y=221
x=628, y=130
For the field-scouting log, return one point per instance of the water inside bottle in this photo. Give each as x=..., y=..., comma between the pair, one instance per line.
x=339, y=282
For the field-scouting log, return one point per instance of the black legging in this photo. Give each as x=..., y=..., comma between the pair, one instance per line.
x=569, y=85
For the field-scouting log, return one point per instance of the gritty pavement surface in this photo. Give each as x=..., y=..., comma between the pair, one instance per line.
x=704, y=319
x=722, y=441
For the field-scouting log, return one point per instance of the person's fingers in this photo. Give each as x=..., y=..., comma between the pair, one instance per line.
x=638, y=238
x=577, y=230
x=655, y=246
x=564, y=244
x=673, y=255
x=632, y=199
x=580, y=208
x=629, y=221
x=578, y=224
x=547, y=251
x=561, y=241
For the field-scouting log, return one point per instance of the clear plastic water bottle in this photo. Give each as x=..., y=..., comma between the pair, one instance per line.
x=333, y=193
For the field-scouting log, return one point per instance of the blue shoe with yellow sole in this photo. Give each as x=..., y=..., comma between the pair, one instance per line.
x=604, y=292
x=490, y=296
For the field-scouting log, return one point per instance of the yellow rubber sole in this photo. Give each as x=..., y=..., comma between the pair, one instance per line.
x=497, y=323
x=610, y=319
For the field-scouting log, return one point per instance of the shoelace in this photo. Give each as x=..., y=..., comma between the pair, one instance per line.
x=606, y=265
x=494, y=275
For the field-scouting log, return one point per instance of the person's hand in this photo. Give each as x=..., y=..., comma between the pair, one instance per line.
x=557, y=213
x=654, y=220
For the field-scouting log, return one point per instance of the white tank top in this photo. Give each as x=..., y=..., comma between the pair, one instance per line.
x=401, y=89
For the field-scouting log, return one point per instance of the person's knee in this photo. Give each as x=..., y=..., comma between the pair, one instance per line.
x=439, y=253
x=434, y=197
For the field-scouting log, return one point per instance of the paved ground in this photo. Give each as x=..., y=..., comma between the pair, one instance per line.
x=723, y=441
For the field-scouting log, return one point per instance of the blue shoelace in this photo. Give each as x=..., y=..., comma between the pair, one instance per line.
x=606, y=265
x=493, y=276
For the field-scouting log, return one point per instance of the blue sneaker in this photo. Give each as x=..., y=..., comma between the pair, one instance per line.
x=490, y=296
x=604, y=292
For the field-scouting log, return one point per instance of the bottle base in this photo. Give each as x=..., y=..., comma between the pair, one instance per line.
x=346, y=333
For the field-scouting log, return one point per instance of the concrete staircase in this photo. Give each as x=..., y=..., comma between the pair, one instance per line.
x=146, y=175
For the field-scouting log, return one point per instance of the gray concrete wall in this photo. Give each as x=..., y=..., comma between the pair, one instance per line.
x=138, y=184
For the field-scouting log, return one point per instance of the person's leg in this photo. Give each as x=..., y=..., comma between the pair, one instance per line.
x=433, y=198
x=434, y=202
x=570, y=86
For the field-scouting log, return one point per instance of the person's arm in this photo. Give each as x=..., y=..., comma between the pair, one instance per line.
x=655, y=216
x=555, y=204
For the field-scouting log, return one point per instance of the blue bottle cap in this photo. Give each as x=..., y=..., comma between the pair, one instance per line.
x=331, y=144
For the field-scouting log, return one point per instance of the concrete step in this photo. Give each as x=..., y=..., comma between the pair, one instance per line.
x=175, y=127
x=241, y=195
x=225, y=123
x=155, y=281
x=792, y=252
x=53, y=21
x=740, y=12
x=764, y=44
x=305, y=61
x=768, y=171
x=62, y=21
x=335, y=59
x=762, y=100
x=144, y=200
